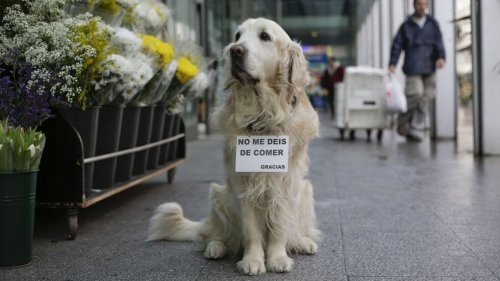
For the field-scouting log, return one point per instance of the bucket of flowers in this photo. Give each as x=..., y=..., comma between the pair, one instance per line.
x=191, y=77
x=132, y=70
x=190, y=80
x=37, y=72
x=20, y=154
x=161, y=55
x=57, y=58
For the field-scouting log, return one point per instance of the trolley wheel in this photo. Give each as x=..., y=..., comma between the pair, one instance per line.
x=368, y=134
x=171, y=175
x=380, y=134
x=352, y=135
x=72, y=223
x=341, y=132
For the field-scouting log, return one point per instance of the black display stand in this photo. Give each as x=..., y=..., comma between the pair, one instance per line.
x=62, y=176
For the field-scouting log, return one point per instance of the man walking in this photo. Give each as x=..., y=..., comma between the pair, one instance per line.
x=333, y=74
x=420, y=38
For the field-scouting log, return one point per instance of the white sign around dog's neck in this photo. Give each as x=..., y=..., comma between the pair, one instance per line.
x=262, y=154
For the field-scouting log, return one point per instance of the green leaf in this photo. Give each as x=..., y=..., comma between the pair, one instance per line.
x=20, y=150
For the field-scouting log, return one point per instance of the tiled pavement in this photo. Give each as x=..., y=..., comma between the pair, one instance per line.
x=388, y=211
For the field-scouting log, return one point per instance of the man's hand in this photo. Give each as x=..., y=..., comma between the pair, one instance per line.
x=392, y=69
x=440, y=63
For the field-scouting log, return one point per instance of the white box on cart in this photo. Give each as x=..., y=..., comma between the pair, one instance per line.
x=361, y=99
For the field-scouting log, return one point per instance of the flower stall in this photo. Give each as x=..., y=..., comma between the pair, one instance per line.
x=105, y=83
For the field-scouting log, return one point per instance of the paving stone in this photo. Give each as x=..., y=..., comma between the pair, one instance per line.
x=405, y=251
x=388, y=211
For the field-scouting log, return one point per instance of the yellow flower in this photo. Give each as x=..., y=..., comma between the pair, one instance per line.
x=185, y=70
x=91, y=35
x=156, y=46
x=109, y=5
x=129, y=16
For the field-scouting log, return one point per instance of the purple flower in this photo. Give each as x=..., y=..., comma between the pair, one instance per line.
x=23, y=106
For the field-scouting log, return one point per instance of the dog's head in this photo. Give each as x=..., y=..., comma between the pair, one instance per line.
x=262, y=52
x=266, y=73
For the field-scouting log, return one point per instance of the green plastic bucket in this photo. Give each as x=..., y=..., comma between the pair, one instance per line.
x=17, y=216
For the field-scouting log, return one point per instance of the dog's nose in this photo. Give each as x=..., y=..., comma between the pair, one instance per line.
x=238, y=51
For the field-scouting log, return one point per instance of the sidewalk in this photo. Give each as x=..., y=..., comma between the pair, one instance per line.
x=388, y=211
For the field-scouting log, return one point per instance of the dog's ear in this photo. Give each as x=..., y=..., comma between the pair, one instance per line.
x=296, y=66
x=226, y=62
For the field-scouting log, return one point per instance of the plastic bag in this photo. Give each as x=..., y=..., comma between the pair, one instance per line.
x=395, y=96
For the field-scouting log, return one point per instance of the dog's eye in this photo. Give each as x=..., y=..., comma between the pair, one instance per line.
x=264, y=36
x=237, y=36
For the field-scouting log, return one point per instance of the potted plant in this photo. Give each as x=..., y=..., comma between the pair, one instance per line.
x=20, y=154
x=27, y=88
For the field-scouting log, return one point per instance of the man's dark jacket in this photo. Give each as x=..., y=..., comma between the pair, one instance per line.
x=422, y=46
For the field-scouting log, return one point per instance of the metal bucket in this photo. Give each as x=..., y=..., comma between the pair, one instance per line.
x=143, y=136
x=86, y=124
x=128, y=139
x=17, y=216
x=108, y=139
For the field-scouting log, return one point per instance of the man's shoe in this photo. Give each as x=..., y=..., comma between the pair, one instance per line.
x=413, y=137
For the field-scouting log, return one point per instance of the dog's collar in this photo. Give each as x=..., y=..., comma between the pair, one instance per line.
x=250, y=127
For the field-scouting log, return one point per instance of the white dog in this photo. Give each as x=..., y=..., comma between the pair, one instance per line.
x=266, y=214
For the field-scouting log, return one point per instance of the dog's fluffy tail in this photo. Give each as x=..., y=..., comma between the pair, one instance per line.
x=168, y=223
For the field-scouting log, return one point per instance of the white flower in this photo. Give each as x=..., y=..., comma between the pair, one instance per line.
x=128, y=75
x=176, y=105
x=157, y=16
x=32, y=150
x=152, y=15
x=46, y=10
x=128, y=3
x=200, y=82
x=142, y=9
x=44, y=40
x=142, y=74
x=126, y=41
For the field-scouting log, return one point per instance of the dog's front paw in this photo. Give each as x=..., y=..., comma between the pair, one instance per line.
x=251, y=266
x=308, y=247
x=279, y=264
x=215, y=250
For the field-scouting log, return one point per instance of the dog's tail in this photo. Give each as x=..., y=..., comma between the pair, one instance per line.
x=168, y=223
